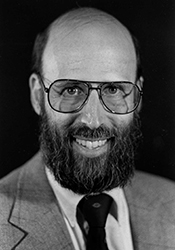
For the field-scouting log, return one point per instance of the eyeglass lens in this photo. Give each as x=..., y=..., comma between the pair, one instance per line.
x=68, y=96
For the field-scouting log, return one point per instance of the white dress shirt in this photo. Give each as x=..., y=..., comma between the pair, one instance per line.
x=118, y=232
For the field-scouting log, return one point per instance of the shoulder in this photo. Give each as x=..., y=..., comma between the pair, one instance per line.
x=9, y=183
x=8, y=190
x=11, y=179
x=153, y=182
x=151, y=189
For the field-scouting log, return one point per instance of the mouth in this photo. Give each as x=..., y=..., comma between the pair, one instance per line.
x=91, y=144
x=91, y=147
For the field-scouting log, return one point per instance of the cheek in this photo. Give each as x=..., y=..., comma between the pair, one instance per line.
x=123, y=120
x=54, y=116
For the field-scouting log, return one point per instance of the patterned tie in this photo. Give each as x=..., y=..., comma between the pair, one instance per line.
x=95, y=209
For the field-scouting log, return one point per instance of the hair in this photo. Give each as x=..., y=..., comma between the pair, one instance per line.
x=75, y=17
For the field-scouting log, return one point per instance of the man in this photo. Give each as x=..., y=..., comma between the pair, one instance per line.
x=86, y=86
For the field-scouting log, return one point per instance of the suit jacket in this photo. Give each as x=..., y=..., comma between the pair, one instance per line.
x=30, y=217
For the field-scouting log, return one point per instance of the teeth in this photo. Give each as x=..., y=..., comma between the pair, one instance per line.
x=91, y=144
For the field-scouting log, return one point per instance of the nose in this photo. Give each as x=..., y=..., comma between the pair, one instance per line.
x=93, y=114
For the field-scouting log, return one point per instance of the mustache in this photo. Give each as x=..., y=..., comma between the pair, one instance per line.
x=82, y=130
x=86, y=132
x=72, y=129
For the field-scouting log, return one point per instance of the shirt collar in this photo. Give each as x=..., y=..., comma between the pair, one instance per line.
x=68, y=200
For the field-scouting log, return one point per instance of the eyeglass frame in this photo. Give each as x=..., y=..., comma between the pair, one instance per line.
x=90, y=88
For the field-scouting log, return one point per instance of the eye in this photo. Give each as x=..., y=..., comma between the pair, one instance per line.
x=72, y=91
x=110, y=90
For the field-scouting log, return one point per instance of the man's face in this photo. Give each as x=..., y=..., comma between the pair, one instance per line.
x=92, y=150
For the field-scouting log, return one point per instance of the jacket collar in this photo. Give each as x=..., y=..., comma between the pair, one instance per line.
x=36, y=212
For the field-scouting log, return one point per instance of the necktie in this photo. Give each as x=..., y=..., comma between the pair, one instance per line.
x=95, y=209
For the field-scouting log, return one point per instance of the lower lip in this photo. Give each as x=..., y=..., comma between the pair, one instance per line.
x=94, y=152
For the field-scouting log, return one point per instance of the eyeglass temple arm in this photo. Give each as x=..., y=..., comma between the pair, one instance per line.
x=42, y=83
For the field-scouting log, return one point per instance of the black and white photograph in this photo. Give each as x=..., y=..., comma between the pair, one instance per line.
x=87, y=127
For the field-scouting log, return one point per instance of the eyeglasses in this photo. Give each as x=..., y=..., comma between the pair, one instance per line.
x=70, y=96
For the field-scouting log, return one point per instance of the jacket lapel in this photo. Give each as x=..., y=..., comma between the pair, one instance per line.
x=152, y=216
x=36, y=216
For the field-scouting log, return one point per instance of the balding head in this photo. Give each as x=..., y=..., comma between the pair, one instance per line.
x=91, y=23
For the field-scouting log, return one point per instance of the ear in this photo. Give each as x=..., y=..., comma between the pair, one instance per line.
x=35, y=92
x=140, y=84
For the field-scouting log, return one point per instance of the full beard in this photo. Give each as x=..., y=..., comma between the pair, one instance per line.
x=79, y=173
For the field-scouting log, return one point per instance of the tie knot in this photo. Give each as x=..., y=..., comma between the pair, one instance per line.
x=95, y=209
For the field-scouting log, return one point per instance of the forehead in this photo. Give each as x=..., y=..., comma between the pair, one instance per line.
x=89, y=48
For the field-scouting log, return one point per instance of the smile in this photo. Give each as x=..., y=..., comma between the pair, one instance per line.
x=91, y=144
